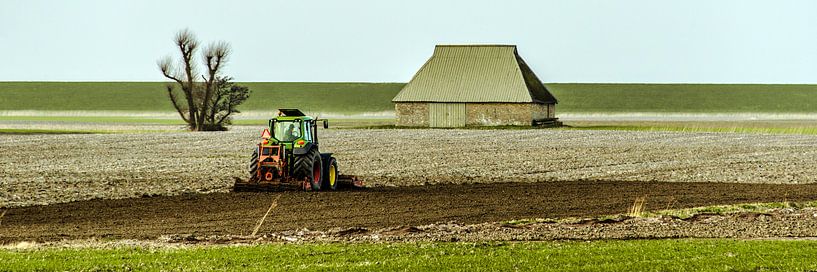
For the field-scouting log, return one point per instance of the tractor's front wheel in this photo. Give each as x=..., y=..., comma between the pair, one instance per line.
x=310, y=167
x=331, y=178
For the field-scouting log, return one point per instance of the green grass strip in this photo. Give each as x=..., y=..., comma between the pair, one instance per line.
x=346, y=97
x=27, y=131
x=758, y=130
x=14, y=131
x=633, y=255
x=333, y=123
x=691, y=98
x=93, y=119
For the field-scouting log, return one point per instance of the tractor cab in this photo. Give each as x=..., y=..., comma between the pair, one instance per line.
x=294, y=130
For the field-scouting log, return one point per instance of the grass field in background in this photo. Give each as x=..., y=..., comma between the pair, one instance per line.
x=97, y=119
x=333, y=123
x=84, y=96
x=763, y=127
x=10, y=131
x=347, y=98
x=351, y=98
x=614, y=255
x=689, y=98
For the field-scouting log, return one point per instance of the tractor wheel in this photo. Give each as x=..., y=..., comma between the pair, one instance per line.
x=330, y=178
x=310, y=167
x=253, y=166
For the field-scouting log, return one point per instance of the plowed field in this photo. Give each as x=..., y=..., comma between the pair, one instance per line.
x=47, y=169
x=238, y=213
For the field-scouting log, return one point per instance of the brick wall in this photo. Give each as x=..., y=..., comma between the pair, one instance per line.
x=551, y=110
x=543, y=111
x=498, y=114
x=411, y=114
x=479, y=114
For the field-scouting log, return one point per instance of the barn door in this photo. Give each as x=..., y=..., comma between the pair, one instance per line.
x=446, y=114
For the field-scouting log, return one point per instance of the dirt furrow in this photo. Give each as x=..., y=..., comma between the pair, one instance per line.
x=238, y=213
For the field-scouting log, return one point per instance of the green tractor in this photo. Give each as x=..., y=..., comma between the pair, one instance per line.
x=289, y=154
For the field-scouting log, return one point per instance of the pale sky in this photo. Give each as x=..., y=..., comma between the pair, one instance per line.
x=640, y=41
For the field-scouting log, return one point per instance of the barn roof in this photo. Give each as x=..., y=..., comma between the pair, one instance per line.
x=475, y=73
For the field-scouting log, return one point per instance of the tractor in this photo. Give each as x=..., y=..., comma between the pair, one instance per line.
x=289, y=154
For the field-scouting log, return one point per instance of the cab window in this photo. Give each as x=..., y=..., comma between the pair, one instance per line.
x=287, y=131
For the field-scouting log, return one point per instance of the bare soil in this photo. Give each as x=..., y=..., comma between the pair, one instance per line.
x=781, y=223
x=225, y=214
x=47, y=169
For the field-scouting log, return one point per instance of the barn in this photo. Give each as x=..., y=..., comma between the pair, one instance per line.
x=475, y=85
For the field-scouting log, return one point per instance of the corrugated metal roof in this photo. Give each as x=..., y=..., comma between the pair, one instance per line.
x=475, y=73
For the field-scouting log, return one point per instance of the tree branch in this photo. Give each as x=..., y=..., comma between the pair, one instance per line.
x=175, y=102
x=214, y=56
x=165, y=65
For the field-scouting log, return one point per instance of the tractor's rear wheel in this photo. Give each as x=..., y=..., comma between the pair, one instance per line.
x=310, y=167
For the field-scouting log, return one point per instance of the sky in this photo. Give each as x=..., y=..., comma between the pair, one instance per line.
x=627, y=41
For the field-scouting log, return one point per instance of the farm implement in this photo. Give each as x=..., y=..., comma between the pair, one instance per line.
x=288, y=155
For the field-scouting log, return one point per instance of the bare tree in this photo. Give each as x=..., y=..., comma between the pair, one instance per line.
x=210, y=98
x=225, y=102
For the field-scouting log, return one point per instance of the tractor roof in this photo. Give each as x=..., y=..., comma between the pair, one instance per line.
x=293, y=118
x=291, y=112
